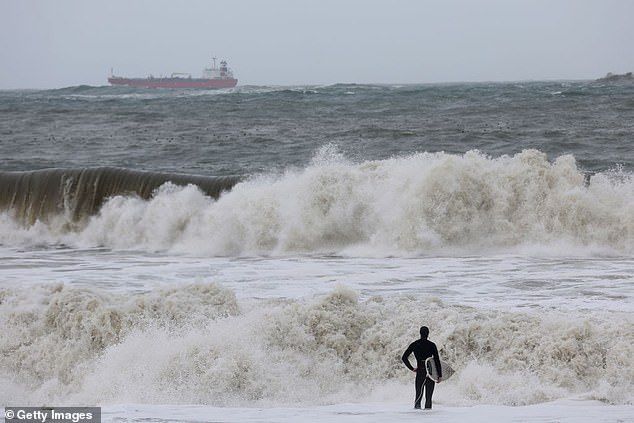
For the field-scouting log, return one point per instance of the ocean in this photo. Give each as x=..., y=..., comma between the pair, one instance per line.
x=267, y=253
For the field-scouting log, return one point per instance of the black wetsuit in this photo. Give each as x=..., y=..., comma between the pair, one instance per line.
x=422, y=349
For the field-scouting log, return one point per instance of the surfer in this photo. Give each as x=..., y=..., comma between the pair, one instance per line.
x=423, y=349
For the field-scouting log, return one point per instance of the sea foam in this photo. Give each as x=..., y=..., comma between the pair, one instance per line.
x=195, y=343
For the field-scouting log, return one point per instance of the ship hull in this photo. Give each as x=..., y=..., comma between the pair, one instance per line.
x=173, y=82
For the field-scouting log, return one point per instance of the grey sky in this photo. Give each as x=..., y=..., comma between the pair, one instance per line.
x=51, y=44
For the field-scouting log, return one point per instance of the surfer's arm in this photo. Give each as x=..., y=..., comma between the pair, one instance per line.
x=405, y=358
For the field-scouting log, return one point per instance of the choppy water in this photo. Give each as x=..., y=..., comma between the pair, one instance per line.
x=253, y=129
x=326, y=224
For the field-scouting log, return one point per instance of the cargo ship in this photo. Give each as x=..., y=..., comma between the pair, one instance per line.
x=213, y=77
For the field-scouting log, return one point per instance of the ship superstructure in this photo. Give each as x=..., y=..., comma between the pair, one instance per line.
x=212, y=77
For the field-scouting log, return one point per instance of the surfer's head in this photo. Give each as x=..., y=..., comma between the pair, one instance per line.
x=424, y=332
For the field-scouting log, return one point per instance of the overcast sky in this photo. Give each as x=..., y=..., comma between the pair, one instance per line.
x=60, y=43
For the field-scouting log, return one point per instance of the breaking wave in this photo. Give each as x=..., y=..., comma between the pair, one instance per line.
x=418, y=204
x=76, y=194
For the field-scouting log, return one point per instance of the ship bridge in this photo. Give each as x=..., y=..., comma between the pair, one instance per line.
x=214, y=72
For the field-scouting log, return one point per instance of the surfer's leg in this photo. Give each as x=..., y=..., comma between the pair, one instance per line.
x=420, y=379
x=429, y=391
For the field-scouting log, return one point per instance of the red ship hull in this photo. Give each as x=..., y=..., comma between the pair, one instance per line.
x=173, y=82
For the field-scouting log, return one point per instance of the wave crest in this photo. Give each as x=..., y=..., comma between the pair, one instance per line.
x=423, y=203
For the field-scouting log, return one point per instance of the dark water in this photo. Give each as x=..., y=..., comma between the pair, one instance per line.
x=81, y=192
x=254, y=129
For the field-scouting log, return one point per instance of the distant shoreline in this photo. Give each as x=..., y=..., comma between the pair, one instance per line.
x=611, y=77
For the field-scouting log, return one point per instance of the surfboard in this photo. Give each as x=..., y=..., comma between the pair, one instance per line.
x=432, y=371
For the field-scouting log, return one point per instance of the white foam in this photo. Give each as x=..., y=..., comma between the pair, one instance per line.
x=194, y=344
